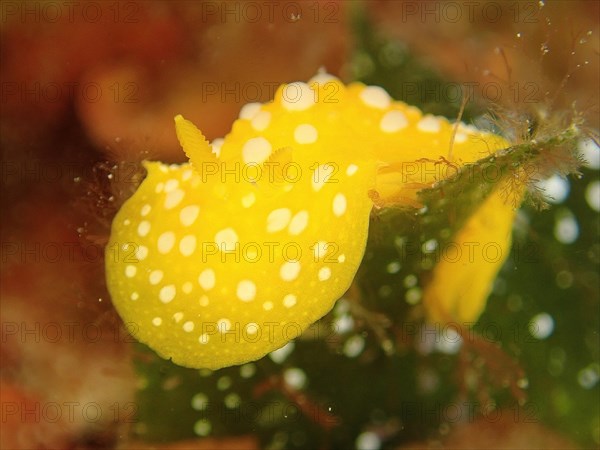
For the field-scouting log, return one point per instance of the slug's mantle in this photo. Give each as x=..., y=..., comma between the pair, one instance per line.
x=230, y=256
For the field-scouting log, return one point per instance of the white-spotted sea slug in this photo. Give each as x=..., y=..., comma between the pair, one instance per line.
x=241, y=249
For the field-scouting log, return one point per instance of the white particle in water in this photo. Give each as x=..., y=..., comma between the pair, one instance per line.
x=448, y=341
x=592, y=195
x=199, y=401
x=368, y=441
x=343, y=324
x=566, y=229
x=541, y=326
x=354, y=346
x=554, y=189
x=590, y=152
x=202, y=427
x=295, y=378
x=589, y=376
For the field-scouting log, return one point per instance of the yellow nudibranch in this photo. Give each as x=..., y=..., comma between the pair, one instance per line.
x=240, y=250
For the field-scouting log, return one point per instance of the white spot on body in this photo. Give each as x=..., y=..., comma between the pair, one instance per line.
x=187, y=245
x=429, y=124
x=256, y=150
x=324, y=273
x=155, y=277
x=267, y=306
x=375, y=97
x=226, y=239
x=261, y=121
x=289, y=270
x=249, y=110
x=305, y=134
x=351, y=169
x=339, y=204
x=145, y=210
x=157, y=321
x=393, y=121
x=298, y=223
x=207, y=279
x=321, y=78
x=167, y=293
x=188, y=215
x=297, y=97
x=130, y=271
x=143, y=228
x=460, y=137
x=321, y=175
x=141, y=253
x=320, y=249
x=188, y=327
x=289, y=300
x=278, y=219
x=248, y=200
x=171, y=185
x=165, y=242
x=223, y=325
x=178, y=316
x=246, y=290
x=173, y=198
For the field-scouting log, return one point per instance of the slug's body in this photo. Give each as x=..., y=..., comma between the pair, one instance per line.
x=240, y=250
